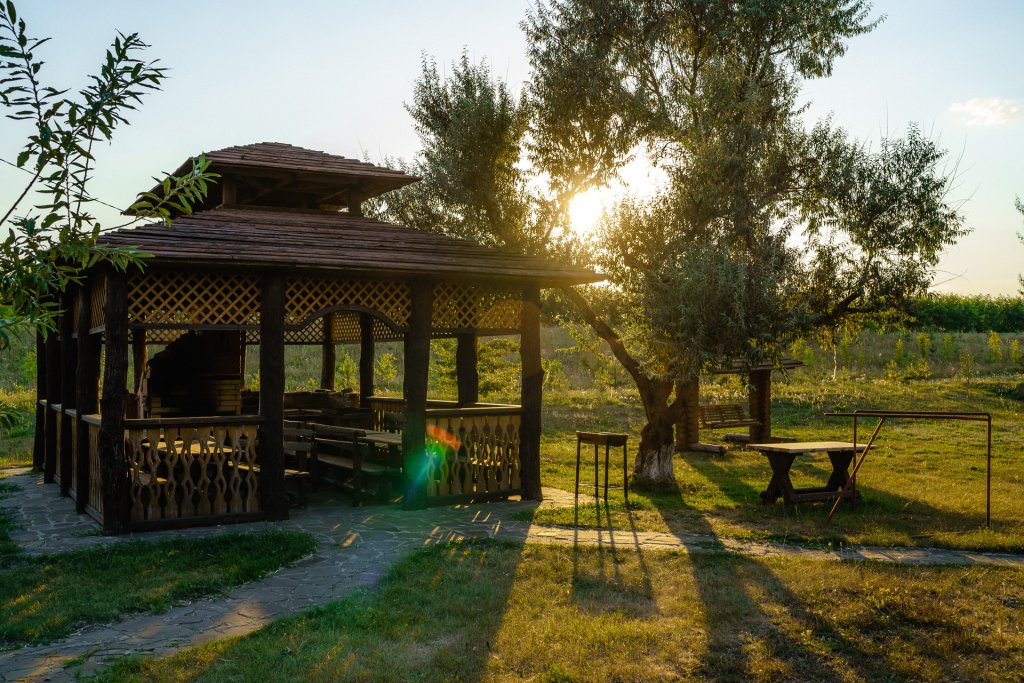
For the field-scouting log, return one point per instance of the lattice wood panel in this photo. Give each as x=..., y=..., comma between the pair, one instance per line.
x=308, y=296
x=167, y=298
x=344, y=330
x=473, y=454
x=460, y=306
x=180, y=472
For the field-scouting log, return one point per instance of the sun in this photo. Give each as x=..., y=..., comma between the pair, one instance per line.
x=585, y=211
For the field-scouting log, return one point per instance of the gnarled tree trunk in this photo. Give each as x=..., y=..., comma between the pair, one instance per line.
x=653, y=466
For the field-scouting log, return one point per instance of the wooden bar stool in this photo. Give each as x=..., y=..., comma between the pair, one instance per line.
x=608, y=440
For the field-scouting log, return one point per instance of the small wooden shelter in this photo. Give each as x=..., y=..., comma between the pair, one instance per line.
x=280, y=253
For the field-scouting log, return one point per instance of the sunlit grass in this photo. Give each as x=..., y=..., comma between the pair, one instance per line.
x=46, y=598
x=923, y=486
x=486, y=611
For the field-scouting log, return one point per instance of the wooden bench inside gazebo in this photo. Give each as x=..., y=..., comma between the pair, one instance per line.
x=280, y=253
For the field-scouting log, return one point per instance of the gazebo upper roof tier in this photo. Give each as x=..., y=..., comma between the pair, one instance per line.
x=253, y=237
x=274, y=173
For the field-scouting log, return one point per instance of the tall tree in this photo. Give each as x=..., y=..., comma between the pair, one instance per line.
x=474, y=183
x=50, y=244
x=766, y=230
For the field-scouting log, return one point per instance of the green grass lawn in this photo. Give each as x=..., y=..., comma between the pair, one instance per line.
x=45, y=598
x=923, y=486
x=486, y=611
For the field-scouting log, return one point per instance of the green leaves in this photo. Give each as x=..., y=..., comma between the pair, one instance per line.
x=44, y=252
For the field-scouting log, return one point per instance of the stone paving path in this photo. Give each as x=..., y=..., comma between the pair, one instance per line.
x=357, y=546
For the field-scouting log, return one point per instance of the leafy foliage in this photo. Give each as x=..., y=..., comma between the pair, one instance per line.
x=973, y=313
x=766, y=231
x=474, y=183
x=48, y=247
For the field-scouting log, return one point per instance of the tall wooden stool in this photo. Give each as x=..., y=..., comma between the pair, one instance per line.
x=608, y=440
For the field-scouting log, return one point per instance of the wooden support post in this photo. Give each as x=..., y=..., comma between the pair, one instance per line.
x=113, y=460
x=466, y=372
x=761, y=405
x=273, y=498
x=52, y=398
x=328, y=353
x=688, y=427
x=366, y=352
x=39, y=443
x=68, y=364
x=86, y=394
x=531, y=394
x=139, y=359
x=417, y=367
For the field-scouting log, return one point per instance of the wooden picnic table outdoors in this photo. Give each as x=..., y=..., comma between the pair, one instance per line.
x=781, y=456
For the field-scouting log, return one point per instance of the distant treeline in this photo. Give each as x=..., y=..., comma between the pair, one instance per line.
x=976, y=313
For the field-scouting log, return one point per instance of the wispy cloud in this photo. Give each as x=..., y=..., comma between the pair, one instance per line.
x=987, y=112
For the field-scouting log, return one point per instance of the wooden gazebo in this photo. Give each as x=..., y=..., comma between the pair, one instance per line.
x=280, y=253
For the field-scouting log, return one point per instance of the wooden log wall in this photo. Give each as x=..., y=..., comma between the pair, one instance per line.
x=417, y=367
x=273, y=498
x=52, y=399
x=68, y=366
x=328, y=353
x=86, y=397
x=39, y=442
x=761, y=404
x=366, y=354
x=112, y=459
x=531, y=394
x=467, y=374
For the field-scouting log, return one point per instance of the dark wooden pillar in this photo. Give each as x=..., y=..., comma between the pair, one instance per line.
x=761, y=405
x=467, y=374
x=139, y=358
x=273, y=498
x=688, y=427
x=328, y=353
x=52, y=398
x=417, y=367
x=68, y=363
x=39, y=443
x=531, y=396
x=366, y=352
x=113, y=461
x=87, y=382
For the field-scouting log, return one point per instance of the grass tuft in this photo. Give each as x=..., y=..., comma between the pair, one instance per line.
x=46, y=598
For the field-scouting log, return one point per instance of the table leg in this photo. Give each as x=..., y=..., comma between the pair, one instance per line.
x=841, y=472
x=577, y=489
x=780, y=485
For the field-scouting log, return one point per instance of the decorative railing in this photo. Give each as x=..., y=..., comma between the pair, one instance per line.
x=473, y=452
x=184, y=468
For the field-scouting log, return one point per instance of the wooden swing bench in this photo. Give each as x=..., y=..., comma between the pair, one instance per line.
x=724, y=416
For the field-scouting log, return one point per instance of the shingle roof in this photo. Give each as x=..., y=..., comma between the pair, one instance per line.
x=293, y=238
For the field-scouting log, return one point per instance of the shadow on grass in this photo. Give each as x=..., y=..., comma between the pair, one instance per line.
x=604, y=588
x=434, y=616
x=734, y=589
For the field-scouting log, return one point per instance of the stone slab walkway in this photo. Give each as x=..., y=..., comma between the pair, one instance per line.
x=357, y=546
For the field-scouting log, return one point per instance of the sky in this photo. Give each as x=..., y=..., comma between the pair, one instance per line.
x=334, y=76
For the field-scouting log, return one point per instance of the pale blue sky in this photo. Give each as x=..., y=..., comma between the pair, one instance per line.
x=334, y=75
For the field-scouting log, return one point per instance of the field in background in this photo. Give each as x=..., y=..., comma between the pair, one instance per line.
x=576, y=369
